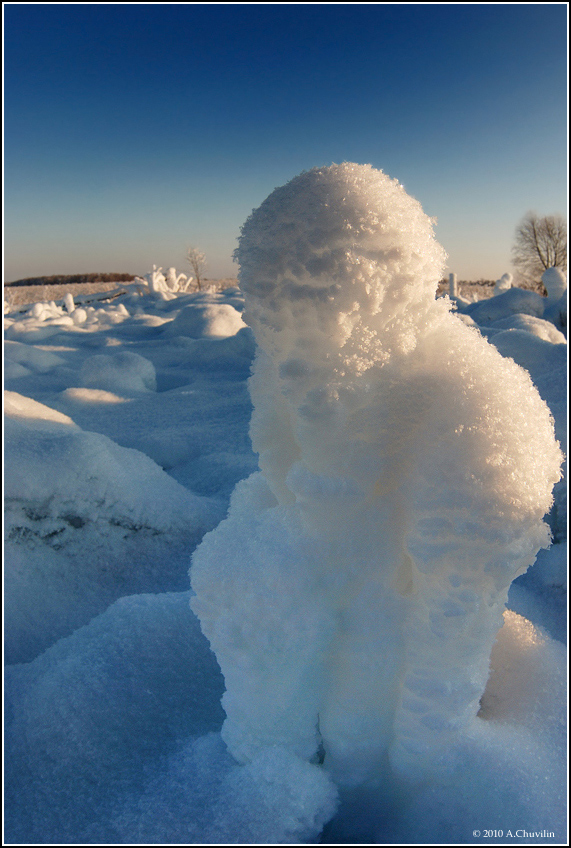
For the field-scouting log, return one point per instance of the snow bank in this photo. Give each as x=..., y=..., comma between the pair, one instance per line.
x=510, y=302
x=87, y=719
x=111, y=737
x=353, y=595
x=537, y=355
x=536, y=326
x=86, y=521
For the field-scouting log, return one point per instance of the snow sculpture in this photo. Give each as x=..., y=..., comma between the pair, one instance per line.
x=156, y=280
x=503, y=284
x=166, y=286
x=354, y=592
x=178, y=282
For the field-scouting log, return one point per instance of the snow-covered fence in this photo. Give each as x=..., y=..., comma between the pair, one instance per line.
x=353, y=594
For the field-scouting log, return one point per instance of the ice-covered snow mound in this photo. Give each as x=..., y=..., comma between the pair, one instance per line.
x=353, y=595
x=86, y=521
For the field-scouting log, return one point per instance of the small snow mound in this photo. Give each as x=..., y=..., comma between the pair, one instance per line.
x=33, y=358
x=79, y=316
x=536, y=326
x=210, y=320
x=527, y=680
x=20, y=407
x=124, y=372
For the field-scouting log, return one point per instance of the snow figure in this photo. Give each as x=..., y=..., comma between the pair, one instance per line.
x=555, y=282
x=157, y=283
x=156, y=280
x=353, y=594
x=503, y=284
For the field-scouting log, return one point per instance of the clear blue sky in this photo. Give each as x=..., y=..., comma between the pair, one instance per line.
x=133, y=131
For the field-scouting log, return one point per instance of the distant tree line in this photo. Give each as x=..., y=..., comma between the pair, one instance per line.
x=69, y=279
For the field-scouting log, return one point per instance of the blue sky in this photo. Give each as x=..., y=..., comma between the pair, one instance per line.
x=133, y=131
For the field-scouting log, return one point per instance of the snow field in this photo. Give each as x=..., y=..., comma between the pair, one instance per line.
x=354, y=581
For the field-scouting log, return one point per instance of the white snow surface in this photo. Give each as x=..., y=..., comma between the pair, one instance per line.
x=406, y=467
x=354, y=565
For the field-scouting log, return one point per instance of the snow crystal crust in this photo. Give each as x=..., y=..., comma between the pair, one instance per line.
x=353, y=594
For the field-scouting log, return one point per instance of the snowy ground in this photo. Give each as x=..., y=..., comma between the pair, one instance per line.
x=126, y=432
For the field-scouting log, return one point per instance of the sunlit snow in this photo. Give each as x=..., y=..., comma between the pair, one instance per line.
x=376, y=467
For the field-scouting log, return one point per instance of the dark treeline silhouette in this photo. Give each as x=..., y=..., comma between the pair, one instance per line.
x=58, y=279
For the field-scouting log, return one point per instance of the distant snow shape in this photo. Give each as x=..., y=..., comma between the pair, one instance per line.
x=503, y=284
x=353, y=594
x=555, y=282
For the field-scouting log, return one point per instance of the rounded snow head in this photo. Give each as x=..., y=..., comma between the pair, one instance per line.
x=503, y=284
x=345, y=240
x=555, y=282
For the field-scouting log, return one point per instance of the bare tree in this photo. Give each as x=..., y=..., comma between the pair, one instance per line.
x=197, y=262
x=540, y=243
